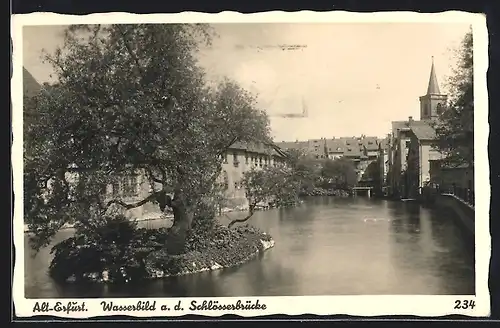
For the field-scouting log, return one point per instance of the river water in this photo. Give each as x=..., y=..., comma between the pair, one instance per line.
x=326, y=246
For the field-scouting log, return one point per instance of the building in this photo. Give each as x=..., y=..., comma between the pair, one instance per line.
x=400, y=180
x=383, y=160
x=335, y=148
x=317, y=148
x=239, y=159
x=421, y=153
x=361, y=150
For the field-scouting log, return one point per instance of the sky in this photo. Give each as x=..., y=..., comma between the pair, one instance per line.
x=354, y=78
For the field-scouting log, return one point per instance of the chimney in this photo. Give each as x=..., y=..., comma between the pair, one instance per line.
x=410, y=119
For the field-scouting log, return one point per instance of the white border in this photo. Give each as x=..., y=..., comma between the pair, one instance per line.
x=321, y=305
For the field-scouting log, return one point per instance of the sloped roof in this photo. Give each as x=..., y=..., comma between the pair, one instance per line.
x=399, y=125
x=350, y=142
x=293, y=144
x=353, y=151
x=424, y=132
x=433, y=87
x=255, y=148
x=371, y=143
x=384, y=143
x=30, y=86
x=317, y=146
x=335, y=146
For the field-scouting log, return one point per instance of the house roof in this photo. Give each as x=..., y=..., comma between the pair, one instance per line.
x=371, y=143
x=335, y=146
x=317, y=146
x=353, y=151
x=255, y=148
x=424, y=132
x=294, y=144
x=399, y=125
x=30, y=86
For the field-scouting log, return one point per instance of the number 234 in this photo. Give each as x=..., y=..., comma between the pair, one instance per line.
x=465, y=304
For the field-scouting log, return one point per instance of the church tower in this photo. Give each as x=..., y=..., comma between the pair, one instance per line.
x=433, y=102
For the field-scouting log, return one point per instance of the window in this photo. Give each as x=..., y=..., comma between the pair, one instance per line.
x=408, y=143
x=225, y=180
x=246, y=158
x=129, y=184
x=116, y=188
x=235, y=159
x=426, y=110
x=439, y=109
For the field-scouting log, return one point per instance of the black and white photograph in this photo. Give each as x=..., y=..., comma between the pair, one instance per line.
x=275, y=163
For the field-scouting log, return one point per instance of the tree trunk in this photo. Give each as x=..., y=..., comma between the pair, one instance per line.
x=183, y=217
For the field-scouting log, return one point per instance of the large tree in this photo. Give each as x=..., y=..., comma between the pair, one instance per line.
x=131, y=98
x=455, y=127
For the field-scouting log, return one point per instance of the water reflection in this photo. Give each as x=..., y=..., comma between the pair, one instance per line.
x=326, y=246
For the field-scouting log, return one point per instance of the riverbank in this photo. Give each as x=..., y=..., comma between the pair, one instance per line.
x=230, y=248
x=146, y=258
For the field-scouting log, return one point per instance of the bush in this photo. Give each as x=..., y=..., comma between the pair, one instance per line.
x=113, y=245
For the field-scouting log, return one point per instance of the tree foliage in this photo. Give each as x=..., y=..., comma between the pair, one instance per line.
x=306, y=168
x=339, y=173
x=455, y=127
x=130, y=99
x=279, y=185
x=372, y=175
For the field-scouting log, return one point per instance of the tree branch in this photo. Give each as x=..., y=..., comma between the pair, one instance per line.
x=148, y=199
x=251, y=211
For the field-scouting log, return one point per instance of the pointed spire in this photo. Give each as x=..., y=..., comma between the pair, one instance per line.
x=433, y=88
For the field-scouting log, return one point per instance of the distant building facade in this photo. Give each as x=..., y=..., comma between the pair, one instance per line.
x=383, y=160
x=411, y=144
x=237, y=160
x=361, y=150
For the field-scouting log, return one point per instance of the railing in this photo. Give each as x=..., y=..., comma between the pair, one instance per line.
x=465, y=194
